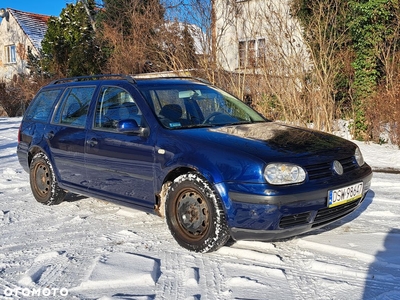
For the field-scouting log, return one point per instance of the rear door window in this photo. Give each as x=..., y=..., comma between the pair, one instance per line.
x=42, y=105
x=74, y=107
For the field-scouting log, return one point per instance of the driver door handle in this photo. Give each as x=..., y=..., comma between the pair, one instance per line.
x=49, y=135
x=92, y=142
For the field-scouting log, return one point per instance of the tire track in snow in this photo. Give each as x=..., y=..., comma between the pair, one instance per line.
x=62, y=246
x=304, y=274
x=54, y=230
x=186, y=275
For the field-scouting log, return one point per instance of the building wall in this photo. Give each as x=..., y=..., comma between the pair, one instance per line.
x=11, y=35
x=258, y=34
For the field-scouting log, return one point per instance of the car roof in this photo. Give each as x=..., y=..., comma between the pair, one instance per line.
x=140, y=79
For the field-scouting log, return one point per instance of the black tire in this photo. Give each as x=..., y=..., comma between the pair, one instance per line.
x=43, y=181
x=194, y=214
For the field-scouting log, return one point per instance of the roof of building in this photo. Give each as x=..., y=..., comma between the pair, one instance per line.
x=33, y=25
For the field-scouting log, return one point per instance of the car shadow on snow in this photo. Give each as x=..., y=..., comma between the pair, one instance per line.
x=384, y=272
x=71, y=197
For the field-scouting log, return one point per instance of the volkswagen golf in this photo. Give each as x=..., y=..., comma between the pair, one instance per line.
x=190, y=152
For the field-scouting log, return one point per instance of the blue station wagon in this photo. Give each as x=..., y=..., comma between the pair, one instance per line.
x=190, y=152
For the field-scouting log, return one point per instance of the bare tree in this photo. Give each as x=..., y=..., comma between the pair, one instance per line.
x=15, y=96
x=260, y=52
x=140, y=40
x=261, y=44
x=326, y=37
x=129, y=33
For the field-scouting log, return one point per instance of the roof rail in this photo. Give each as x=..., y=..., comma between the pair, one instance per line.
x=93, y=77
x=171, y=74
x=166, y=74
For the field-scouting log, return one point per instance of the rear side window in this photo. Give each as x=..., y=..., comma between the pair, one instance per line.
x=41, y=107
x=74, y=106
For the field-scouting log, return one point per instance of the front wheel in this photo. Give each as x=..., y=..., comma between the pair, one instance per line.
x=43, y=181
x=194, y=214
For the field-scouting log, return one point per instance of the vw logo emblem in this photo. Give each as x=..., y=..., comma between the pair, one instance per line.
x=337, y=167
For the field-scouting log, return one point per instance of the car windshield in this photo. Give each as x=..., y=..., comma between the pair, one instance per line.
x=197, y=105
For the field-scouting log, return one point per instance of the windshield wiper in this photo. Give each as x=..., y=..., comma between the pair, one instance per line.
x=200, y=125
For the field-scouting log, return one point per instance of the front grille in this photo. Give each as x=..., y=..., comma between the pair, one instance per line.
x=327, y=215
x=324, y=170
x=319, y=171
x=294, y=220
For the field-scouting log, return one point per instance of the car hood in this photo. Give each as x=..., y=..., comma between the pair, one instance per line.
x=273, y=140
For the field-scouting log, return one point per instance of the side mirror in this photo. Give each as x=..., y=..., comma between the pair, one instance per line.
x=132, y=127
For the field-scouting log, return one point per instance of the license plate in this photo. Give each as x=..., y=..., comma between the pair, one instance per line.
x=345, y=194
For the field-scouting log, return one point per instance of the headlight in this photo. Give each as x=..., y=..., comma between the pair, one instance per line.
x=359, y=157
x=281, y=173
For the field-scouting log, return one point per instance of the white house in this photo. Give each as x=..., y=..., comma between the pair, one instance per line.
x=255, y=34
x=19, y=31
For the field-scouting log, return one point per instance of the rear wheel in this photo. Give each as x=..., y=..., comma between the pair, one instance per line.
x=43, y=182
x=194, y=214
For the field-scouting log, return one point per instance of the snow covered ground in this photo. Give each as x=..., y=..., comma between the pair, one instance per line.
x=85, y=248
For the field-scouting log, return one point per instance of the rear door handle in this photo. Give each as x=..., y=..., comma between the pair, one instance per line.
x=92, y=142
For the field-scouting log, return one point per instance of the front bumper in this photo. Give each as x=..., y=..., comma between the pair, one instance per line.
x=304, y=222
x=273, y=217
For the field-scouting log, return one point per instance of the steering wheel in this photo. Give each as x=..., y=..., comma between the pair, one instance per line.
x=212, y=116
